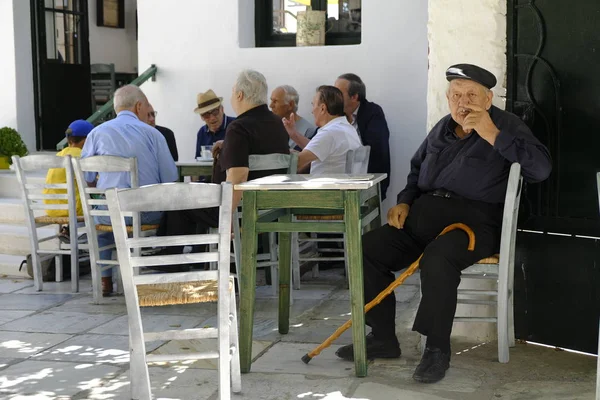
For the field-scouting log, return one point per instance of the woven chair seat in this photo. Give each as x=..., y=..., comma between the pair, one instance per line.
x=495, y=259
x=55, y=220
x=166, y=294
x=108, y=228
x=306, y=217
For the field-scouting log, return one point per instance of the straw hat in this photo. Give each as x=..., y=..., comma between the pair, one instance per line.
x=207, y=101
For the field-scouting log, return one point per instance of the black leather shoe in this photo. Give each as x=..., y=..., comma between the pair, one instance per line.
x=433, y=366
x=375, y=349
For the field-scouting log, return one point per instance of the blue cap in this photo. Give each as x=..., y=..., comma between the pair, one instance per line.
x=80, y=128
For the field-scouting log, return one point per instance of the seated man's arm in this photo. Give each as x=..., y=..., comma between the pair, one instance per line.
x=237, y=175
x=519, y=145
x=89, y=150
x=297, y=137
x=305, y=158
x=411, y=191
x=377, y=136
x=167, y=171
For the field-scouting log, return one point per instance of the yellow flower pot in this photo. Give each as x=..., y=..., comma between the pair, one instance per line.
x=4, y=162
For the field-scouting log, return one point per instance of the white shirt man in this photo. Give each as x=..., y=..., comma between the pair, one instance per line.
x=331, y=145
x=327, y=150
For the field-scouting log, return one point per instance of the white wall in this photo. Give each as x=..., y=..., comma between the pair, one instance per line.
x=16, y=76
x=471, y=32
x=8, y=95
x=200, y=49
x=112, y=45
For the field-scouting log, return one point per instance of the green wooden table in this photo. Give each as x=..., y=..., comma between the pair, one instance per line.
x=279, y=198
x=194, y=168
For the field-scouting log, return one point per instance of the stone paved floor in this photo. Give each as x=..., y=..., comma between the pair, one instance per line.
x=57, y=345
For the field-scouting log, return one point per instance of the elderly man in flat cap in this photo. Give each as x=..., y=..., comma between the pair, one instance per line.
x=210, y=108
x=458, y=174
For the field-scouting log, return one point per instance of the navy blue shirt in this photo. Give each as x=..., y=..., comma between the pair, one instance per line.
x=471, y=167
x=207, y=138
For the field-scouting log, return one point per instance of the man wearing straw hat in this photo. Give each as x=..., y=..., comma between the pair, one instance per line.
x=458, y=175
x=210, y=109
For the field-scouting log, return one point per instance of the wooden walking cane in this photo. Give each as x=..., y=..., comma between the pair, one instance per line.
x=411, y=269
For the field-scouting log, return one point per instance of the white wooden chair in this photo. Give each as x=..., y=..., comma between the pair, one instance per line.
x=33, y=199
x=92, y=197
x=357, y=162
x=264, y=162
x=498, y=268
x=178, y=287
x=598, y=353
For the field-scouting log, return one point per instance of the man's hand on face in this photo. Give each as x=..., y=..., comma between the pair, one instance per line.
x=479, y=120
x=397, y=215
x=216, y=150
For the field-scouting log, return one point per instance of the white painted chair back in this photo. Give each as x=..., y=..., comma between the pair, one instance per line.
x=91, y=198
x=264, y=162
x=33, y=199
x=171, y=197
x=357, y=161
x=502, y=273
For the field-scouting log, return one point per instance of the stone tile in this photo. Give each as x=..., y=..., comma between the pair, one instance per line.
x=167, y=383
x=259, y=386
x=377, y=391
x=338, y=310
x=316, y=331
x=287, y=358
x=12, y=285
x=52, y=380
x=24, y=345
x=200, y=345
x=5, y=362
x=534, y=390
x=313, y=292
x=93, y=349
x=64, y=287
x=151, y=323
x=11, y=315
x=27, y=302
x=58, y=322
x=269, y=308
x=84, y=304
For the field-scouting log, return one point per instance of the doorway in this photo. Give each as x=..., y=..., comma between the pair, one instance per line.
x=61, y=65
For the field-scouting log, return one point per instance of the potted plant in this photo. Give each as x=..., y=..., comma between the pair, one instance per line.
x=11, y=144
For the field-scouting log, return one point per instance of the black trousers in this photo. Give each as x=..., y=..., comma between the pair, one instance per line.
x=187, y=222
x=388, y=249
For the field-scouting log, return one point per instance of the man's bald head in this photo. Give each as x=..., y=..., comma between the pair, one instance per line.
x=131, y=98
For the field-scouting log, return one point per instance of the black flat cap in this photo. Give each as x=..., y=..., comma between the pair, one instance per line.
x=471, y=72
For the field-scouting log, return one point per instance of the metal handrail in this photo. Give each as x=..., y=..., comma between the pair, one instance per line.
x=107, y=108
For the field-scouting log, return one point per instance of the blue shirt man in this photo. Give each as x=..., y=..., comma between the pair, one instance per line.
x=128, y=135
x=210, y=109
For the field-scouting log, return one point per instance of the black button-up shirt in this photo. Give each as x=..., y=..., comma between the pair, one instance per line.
x=471, y=167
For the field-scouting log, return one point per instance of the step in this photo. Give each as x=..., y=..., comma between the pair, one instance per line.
x=9, y=265
x=9, y=184
x=14, y=239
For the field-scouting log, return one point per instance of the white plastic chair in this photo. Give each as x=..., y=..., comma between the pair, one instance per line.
x=91, y=197
x=33, y=199
x=498, y=268
x=357, y=162
x=178, y=287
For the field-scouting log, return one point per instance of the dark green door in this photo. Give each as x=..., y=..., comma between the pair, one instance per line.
x=61, y=67
x=554, y=85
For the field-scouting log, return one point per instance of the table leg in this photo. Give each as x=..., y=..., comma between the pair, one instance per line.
x=181, y=177
x=247, y=279
x=355, y=267
x=285, y=258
